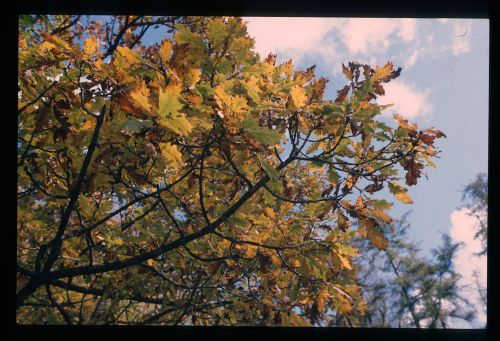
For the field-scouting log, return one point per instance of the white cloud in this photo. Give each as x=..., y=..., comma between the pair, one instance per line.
x=343, y=39
x=368, y=35
x=463, y=229
x=297, y=37
x=293, y=37
x=407, y=101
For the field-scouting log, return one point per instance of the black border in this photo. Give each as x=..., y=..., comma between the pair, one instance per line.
x=313, y=8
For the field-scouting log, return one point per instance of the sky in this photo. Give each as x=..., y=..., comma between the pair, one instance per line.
x=443, y=84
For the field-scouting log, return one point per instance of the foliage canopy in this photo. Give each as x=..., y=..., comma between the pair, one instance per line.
x=191, y=181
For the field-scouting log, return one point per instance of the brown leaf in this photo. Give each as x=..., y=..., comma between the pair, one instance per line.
x=347, y=73
x=270, y=59
x=428, y=139
x=342, y=95
x=411, y=178
x=327, y=191
x=318, y=88
x=379, y=90
x=127, y=106
x=375, y=187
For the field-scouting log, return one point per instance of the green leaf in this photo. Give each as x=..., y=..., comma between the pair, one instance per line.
x=135, y=126
x=168, y=109
x=168, y=101
x=381, y=204
x=273, y=173
x=265, y=136
x=400, y=193
x=348, y=250
x=252, y=89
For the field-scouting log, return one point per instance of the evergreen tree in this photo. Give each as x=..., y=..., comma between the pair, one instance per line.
x=477, y=194
x=404, y=289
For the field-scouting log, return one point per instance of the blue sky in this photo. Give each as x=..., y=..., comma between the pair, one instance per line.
x=444, y=84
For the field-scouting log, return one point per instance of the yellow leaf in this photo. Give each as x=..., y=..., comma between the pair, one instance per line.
x=299, y=97
x=350, y=181
x=377, y=238
x=362, y=228
x=382, y=72
x=298, y=321
x=345, y=262
x=332, y=237
x=269, y=212
x=150, y=262
x=400, y=193
x=404, y=123
x=191, y=77
x=267, y=301
x=404, y=197
x=91, y=46
x=359, y=203
x=178, y=124
x=129, y=55
x=236, y=104
x=89, y=124
x=340, y=260
x=320, y=300
x=165, y=49
x=381, y=215
x=172, y=154
x=140, y=97
x=275, y=260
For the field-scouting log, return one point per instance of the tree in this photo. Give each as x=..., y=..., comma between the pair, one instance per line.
x=404, y=289
x=191, y=182
x=477, y=193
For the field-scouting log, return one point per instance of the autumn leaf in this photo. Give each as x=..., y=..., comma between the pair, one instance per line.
x=265, y=136
x=376, y=237
x=342, y=94
x=298, y=98
x=382, y=72
x=131, y=56
x=346, y=72
x=232, y=170
x=191, y=77
x=165, y=51
x=400, y=193
x=140, y=97
x=91, y=47
x=168, y=110
x=252, y=87
x=342, y=222
x=381, y=215
x=171, y=153
x=273, y=173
